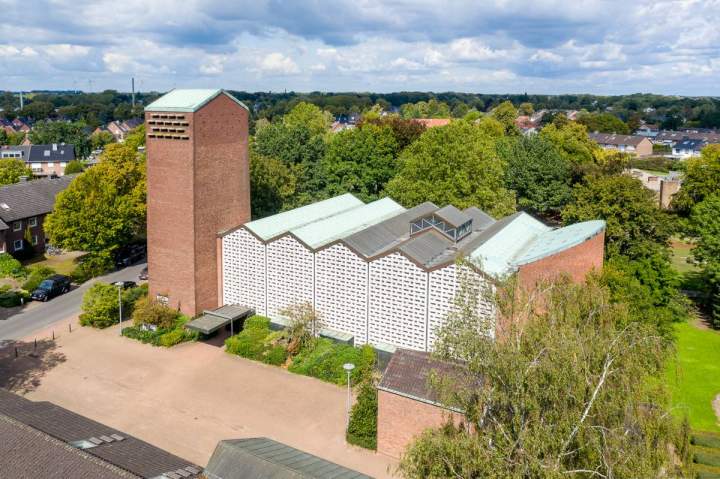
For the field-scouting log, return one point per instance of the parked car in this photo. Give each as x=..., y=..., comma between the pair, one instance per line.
x=128, y=284
x=143, y=276
x=129, y=255
x=55, y=285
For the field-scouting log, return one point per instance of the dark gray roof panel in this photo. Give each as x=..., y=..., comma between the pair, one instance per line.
x=453, y=216
x=427, y=246
x=31, y=198
x=481, y=220
x=263, y=457
x=387, y=234
x=53, y=153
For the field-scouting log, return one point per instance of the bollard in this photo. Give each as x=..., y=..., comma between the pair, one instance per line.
x=70, y=327
x=16, y=353
x=53, y=335
x=35, y=345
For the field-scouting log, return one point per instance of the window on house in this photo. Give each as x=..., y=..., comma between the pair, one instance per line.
x=63, y=164
x=17, y=226
x=34, y=240
x=51, y=164
x=18, y=245
x=32, y=222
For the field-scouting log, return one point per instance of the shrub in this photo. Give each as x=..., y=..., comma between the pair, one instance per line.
x=37, y=275
x=171, y=338
x=257, y=322
x=324, y=360
x=92, y=265
x=362, y=430
x=249, y=343
x=11, y=267
x=9, y=299
x=150, y=311
x=75, y=166
x=131, y=296
x=276, y=355
x=100, y=306
x=142, y=335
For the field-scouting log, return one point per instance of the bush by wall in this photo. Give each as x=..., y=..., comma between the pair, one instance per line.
x=9, y=299
x=37, y=274
x=324, y=360
x=153, y=312
x=362, y=430
x=176, y=334
x=100, y=306
x=10, y=267
x=255, y=342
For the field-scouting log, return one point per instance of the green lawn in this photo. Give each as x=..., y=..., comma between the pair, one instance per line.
x=680, y=254
x=694, y=379
x=63, y=263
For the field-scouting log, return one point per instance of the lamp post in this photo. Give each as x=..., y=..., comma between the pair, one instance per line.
x=348, y=367
x=120, y=285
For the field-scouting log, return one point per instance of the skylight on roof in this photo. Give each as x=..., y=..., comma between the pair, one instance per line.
x=4, y=206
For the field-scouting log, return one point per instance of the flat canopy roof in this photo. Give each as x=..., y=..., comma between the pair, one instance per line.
x=211, y=321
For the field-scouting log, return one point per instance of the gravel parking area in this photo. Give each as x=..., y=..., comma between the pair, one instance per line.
x=187, y=398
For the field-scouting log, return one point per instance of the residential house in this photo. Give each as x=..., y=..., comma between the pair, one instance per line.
x=664, y=186
x=21, y=125
x=634, y=144
x=670, y=137
x=688, y=147
x=44, y=160
x=42, y=440
x=433, y=122
x=648, y=130
x=120, y=129
x=23, y=207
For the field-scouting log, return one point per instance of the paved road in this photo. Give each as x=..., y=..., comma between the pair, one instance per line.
x=61, y=307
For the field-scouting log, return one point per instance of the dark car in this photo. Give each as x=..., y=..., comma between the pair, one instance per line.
x=53, y=286
x=143, y=276
x=129, y=255
x=128, y=284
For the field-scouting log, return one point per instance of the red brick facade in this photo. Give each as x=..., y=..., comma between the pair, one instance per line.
x=10, y=238
x=576, y=262
x=197, y=187
x=400, y=419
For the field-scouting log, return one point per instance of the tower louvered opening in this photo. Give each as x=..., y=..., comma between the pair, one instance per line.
x=168, y=126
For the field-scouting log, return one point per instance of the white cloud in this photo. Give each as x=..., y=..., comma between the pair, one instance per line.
x=64, y=51
x=278, y=63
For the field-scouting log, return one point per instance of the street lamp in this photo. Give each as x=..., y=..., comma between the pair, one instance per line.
x=120, y=285
x=348, y=367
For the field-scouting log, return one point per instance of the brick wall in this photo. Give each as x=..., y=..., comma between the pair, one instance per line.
x=400, y=419
x=8, y=237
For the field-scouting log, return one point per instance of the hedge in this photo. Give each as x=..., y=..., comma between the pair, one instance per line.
x=10, y=267
x=254, y=342
x=162, y=337
x=362, y=430
x=37, y=275
x=9, y=299
x=324, y=360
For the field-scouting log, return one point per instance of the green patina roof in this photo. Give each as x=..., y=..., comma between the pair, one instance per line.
x=281, y=223
x=188, y=100
x=551, y=242
x=322, y=232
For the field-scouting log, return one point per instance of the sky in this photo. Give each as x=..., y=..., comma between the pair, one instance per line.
x=479, y=46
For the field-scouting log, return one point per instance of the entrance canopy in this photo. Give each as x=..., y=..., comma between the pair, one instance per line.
x=211, y=321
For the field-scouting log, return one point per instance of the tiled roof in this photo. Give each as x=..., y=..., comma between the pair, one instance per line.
x=54, y=153
x=613, y=139
x=409, y=374
x=112, y=446
x=31, y=198
x=188, y=100
x=260, y=457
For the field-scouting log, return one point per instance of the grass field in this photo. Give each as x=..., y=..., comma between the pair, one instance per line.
x=63, y=264
x=694, y=379
x=681, y=252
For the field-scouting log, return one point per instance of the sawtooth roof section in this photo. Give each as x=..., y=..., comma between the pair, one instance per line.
x=322, y=232
x=481, y=220
x=426, y=247
x=498, y=249
x=263, y=457
x=387, y=234
x=281, y=223
x=188, y=100
x=555, y=241
x=452, y=216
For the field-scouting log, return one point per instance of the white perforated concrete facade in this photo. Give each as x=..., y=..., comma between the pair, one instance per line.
x=290, y=275
x=244, y=270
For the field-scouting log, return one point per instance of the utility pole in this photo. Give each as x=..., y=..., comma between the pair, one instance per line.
x=22, y=101
x=133, y=92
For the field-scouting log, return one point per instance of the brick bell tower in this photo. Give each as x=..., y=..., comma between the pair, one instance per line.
x=198, y=184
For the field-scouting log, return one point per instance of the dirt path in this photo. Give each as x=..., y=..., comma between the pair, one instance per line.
x=716, y=407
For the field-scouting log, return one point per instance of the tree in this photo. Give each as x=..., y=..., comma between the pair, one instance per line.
x=100, y=307
x=506, y=113
x=571, y=391
x=272, y=183
x=539, y=175
x=526, y=109
x=148, y=311
x=309, y=116
x=701, y=179
x=38, y=110
x=456, y=164
x=359, y=161
x=603, y=123
x=635, y=225
x=430, y=109
x=404, y=130
x=104, y=207
x=100, y=139
x=11, y=169
x=571, y=140
x=48, y=132
x=11, y=138
x=75, y=166
x=705, y=223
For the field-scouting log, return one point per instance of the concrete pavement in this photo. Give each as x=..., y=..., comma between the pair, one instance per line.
x=40, y=316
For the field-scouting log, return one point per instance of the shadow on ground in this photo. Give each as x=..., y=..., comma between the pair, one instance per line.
x=24, y=373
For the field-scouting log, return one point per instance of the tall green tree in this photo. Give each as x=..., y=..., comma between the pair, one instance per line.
x=603, y=123
x=272, y=183
x=701, y=179
x=309, y=116
x=404, y=130
x=506, y=113
x=11, y=169
x=540, y=176
x=571, y=390
x=705, y=223
x=456, y=164
x=104, y=207
x=11, y=138
x=359, y=161
x=571, y=140
x=47, y=132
